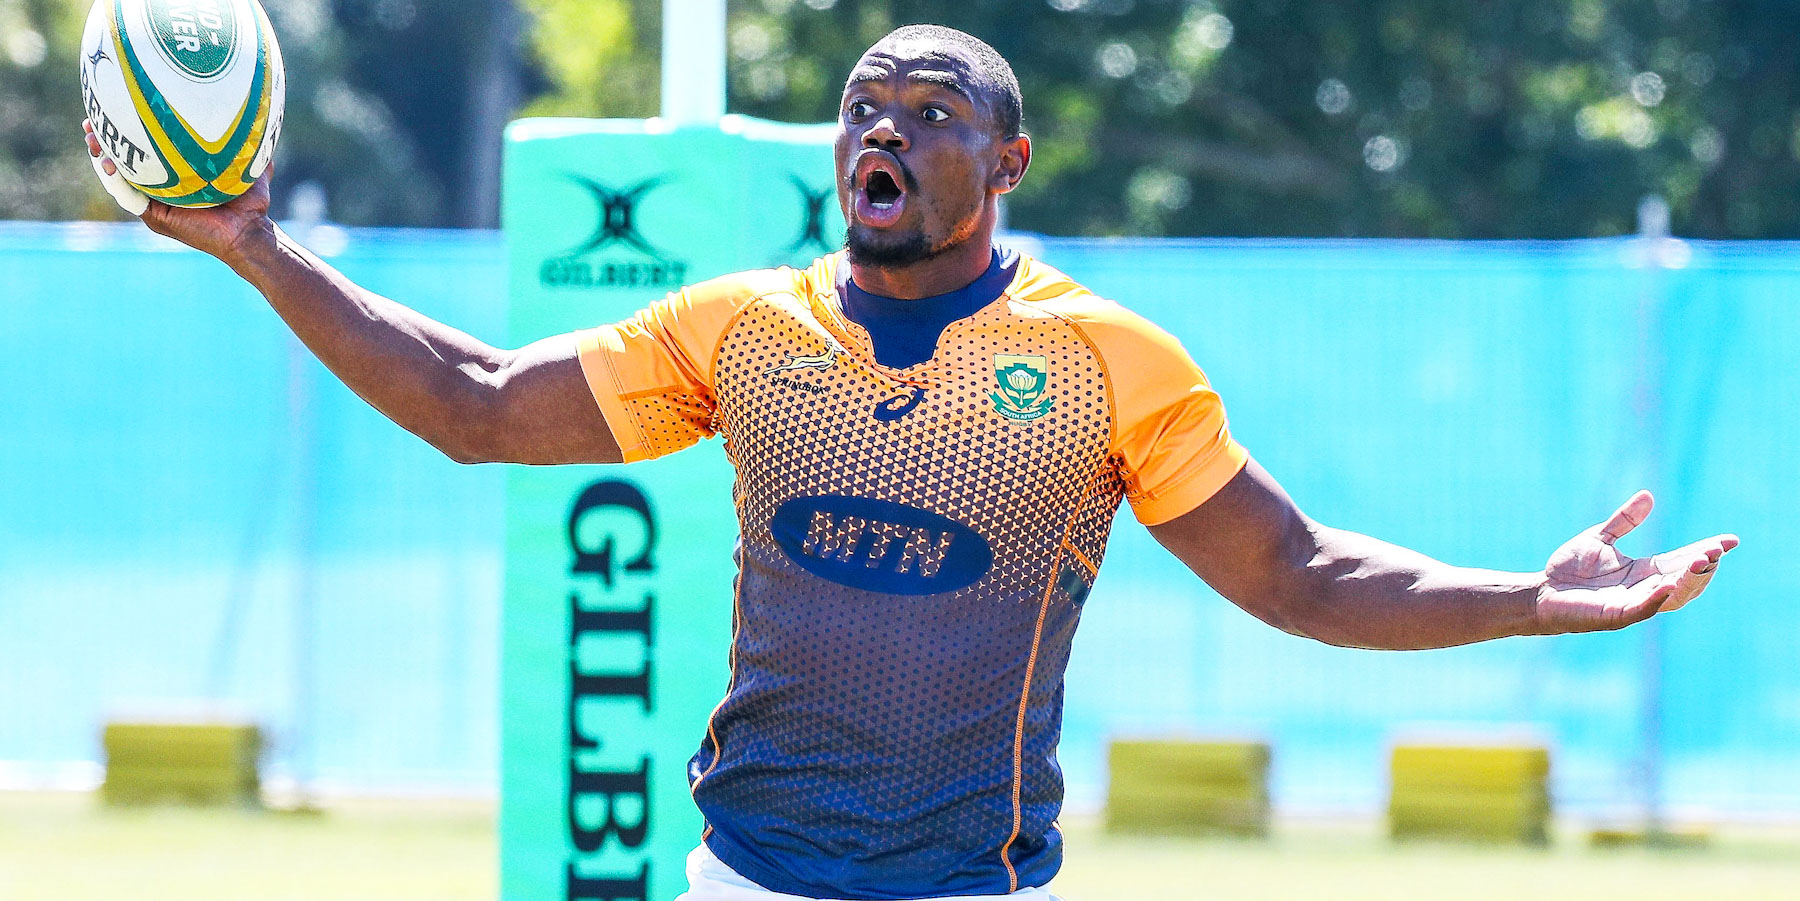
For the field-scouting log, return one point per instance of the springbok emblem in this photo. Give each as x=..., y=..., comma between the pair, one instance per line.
x=820, y=361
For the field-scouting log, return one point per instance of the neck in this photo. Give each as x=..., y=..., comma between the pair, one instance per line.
x=955, y=268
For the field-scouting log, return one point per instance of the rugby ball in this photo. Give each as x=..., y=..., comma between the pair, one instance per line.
x=185, y=96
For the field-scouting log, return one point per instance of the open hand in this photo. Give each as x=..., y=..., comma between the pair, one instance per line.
x=1589, y=586
x=218, y=230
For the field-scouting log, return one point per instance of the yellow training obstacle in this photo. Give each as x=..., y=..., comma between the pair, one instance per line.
x=195, y=763
x=1482, y=792
x=1188, y=786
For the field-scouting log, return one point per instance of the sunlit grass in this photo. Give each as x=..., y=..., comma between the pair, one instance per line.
x=1354, y=861
x=66, y=847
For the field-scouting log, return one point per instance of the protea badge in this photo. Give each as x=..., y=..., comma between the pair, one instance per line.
x=1022, y=378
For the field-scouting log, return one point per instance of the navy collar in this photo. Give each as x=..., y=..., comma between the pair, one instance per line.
x=905, y=332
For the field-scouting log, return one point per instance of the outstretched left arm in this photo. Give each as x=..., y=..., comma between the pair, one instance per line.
x=1254, y=546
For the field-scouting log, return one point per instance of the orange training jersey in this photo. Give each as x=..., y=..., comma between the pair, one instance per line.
x=916, y=545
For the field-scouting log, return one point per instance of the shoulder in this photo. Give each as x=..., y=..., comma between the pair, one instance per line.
x=740, y=289
x=1115, y=332
x=711, y=305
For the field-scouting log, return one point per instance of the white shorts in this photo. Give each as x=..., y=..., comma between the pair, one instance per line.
x=709, y=879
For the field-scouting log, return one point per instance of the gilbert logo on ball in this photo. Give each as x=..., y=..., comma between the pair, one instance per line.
x=186, y=96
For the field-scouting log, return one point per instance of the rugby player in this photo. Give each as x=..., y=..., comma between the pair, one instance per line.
x=931, y=436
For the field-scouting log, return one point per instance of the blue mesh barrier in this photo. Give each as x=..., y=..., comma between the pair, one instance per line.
x=1480, y=403
x=193, y=509
x=178, y=479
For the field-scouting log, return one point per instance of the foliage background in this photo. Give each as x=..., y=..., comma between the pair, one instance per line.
x=1439, y=118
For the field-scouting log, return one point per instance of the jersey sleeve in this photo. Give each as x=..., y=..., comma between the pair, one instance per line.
x=652, y=374
x=1170, y=433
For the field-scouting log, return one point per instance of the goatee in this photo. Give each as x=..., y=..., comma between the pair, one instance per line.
x=864, y=250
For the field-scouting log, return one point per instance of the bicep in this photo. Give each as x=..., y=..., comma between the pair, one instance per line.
x=547, y=411
x=1249, y=542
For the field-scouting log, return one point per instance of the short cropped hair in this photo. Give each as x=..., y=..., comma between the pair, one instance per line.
x=989, y=64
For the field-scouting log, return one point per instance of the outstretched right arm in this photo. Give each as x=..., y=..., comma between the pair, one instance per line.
x=474, y=402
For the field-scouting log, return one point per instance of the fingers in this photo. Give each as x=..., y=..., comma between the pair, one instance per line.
x=94, y=150
x=1707, y=550
x=1687, y=572
x=1688, y=586
x=1655, y=602
x=1627, y=517
x=127, y=197
x=1698, y=573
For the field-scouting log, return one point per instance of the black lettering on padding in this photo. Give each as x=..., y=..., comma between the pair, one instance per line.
x=581, y=888
x=610, y=493
x=610, y=786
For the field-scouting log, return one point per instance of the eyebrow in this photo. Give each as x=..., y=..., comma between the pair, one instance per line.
x=943, y=80
x=865, y=73
x=936, y=77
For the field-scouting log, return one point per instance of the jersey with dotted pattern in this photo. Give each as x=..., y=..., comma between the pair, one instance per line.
x=916, y=545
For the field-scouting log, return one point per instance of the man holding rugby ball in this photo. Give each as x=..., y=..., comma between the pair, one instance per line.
x=931, y=435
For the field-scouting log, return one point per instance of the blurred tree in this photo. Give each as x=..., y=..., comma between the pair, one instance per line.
x=394, y=108
x=599, y=57
x=1537, y=118
x=43, y=172
x=1541, y=118
x=342, y=135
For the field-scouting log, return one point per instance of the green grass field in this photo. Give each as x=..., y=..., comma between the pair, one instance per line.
x=65, y=847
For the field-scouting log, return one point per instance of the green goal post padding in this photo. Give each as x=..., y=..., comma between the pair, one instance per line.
x=618, y=600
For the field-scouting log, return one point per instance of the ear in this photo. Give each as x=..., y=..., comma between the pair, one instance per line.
x=1015, y=158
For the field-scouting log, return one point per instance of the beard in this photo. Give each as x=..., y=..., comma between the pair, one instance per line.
x=894, y=249
x=868, y=247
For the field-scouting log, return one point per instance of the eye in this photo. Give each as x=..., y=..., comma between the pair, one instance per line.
x=935, y=115
x=861, y=109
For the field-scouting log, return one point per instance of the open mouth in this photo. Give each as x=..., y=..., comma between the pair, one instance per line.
x=881, y=189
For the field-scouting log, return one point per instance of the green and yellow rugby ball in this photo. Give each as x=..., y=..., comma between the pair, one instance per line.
x=186, y=96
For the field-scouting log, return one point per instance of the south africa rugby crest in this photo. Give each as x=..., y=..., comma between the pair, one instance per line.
x=1022, y=378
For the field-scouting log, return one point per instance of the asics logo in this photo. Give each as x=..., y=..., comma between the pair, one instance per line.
x=819, y=361
x=899, y=405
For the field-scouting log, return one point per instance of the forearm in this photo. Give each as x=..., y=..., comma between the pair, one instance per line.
x=1254, y=546
x=1358, y=591
x=429, y=378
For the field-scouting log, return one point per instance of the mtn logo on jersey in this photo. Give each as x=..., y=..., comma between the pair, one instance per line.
x=879, y=545
x=1022, y=378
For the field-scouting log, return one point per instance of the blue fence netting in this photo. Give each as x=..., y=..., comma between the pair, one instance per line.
x=188, y=501
x=190, y=504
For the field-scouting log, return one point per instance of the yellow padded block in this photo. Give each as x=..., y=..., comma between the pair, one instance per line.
x=193, y=744
x=1212, y=762
x=1170, y=786
x=141, y=784
x=1499, y=767
x=1486, y=807
x=1241, y=816
x=1495, y=793
x=1523, y=822
x=199, y=763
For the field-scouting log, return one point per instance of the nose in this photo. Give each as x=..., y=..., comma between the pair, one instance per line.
x=882, y=134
